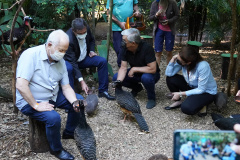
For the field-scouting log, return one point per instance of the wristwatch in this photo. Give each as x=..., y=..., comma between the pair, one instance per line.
x=180, y=94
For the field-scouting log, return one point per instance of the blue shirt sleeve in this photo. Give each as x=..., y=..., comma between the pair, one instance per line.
x=172, y=69
x=108, y=2
x=26, y=65
x=135, y=1
x=204, y=75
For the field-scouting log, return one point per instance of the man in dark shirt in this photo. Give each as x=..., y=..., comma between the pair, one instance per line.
x=143, y=66
x=81, y=54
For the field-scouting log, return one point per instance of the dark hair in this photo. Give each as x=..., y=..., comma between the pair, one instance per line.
x=78, y=24
x=190, y=54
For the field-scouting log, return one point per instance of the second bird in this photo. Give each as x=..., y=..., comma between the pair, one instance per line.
x=129, y=105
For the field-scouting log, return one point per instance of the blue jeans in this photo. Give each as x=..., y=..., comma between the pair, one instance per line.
x=96, y=61
x=148, y=80
x=160, y=36
x=53, y=120
x=117, y=39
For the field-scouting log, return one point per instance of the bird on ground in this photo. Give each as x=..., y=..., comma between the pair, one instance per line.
x=225, y=123
x=92, y=102
x=129, y=105
x=84, y=136
x=221, y=99
x=18, y=33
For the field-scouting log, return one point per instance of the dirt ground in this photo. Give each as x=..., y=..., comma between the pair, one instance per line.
x=115, y=140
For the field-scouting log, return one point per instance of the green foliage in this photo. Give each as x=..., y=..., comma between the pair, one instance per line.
x=7, y=16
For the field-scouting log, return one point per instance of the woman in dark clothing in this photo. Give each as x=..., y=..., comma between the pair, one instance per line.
x=164, y=13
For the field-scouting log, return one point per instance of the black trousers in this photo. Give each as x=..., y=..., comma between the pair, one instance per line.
x=192, y=104
x=239, y=84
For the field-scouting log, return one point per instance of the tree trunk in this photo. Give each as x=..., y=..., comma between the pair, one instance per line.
x=109, y=27
x=232, y=3
x=14, y=57
x=237, y=70
x=203, y=22
x=37, y=136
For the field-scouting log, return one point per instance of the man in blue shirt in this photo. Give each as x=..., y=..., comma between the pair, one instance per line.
x=121, y=10
x=186, y=150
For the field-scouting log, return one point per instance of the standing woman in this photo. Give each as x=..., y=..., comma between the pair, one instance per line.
x=197, y=82
x=164, y=13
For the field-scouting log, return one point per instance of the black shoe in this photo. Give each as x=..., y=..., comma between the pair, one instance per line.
x=67, y=136
x=62, y=154
x=106, y=95
x=150, y=104
x=169, y=108
x=203, y=112
x=135, y=91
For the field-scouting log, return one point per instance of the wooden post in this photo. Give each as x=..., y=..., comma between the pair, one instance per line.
x=37, y=136
x=109, y=27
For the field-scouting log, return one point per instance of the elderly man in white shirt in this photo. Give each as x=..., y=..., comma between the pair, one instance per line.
x=41, y=71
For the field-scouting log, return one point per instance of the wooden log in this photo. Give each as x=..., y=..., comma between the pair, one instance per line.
x=37, y=136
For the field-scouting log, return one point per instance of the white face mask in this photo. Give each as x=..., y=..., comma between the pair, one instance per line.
x=57, y=56
x=82, y=36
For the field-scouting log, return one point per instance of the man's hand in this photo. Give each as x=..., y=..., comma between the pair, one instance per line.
x=75, y=105
x=131, y=72
x=44, y=106
x=122, y=25
x=92, y=54
x=84, y=86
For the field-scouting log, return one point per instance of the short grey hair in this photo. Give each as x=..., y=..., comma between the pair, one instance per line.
x=78, y=24
x=133, y=35
x=56, y=36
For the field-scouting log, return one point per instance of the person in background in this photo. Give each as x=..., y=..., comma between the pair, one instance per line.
x=197, y=82
x=121, y=11
x=42, y=85
x=143, y=67
x=165, y=14
x=81, y=54
x=186, y=150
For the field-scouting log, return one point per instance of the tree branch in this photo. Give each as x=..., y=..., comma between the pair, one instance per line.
x=11, y=6
x=38, y=30
x=14, y=56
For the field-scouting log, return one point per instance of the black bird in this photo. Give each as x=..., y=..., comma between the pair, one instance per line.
x=225, y=123
x=129, y=105
x=18, y=33
x=221, y=99
x=84, y=137
x=92, y=102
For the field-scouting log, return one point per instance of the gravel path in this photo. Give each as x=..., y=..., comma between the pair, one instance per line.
x=115, y=140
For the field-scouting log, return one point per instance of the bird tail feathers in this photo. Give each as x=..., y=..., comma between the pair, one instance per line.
x=141, y=122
